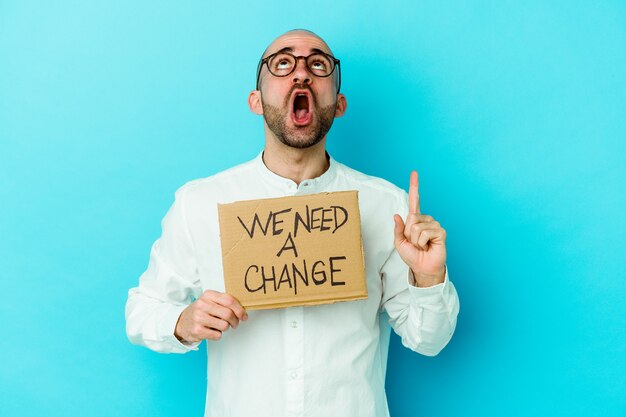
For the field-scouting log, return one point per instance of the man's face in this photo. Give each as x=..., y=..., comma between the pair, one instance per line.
x=299, y=109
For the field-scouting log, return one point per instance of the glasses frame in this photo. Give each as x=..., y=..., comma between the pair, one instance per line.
x=265, y=61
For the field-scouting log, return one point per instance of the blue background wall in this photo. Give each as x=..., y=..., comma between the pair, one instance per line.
x=513, y=112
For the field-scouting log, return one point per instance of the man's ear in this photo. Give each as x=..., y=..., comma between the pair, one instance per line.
x=342, y=105
x=254, y=102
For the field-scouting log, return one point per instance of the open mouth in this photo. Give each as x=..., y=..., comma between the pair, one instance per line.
x=301, y=109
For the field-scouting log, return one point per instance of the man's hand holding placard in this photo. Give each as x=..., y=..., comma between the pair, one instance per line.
x=209, y=316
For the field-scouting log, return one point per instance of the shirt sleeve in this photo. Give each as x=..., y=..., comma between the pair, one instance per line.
x=166, y=288
x=424, y=318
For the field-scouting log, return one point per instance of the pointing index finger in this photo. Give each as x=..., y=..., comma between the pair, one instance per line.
x=414, y=195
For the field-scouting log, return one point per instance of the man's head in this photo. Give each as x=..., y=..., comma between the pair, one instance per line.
x=299, y=97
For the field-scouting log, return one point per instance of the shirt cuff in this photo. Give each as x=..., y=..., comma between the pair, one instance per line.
x=168, y=327
x=426, y=294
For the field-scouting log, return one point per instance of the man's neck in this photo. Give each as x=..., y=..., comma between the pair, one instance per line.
x=296, y=164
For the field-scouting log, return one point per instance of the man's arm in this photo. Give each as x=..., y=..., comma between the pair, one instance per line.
x=418, y=296
x=166, y=288
x=424, y=317
x=161, y=312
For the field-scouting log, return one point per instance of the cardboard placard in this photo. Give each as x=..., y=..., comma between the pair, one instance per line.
x=300, y=250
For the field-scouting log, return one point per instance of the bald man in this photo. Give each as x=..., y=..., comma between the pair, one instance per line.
x=317, y=360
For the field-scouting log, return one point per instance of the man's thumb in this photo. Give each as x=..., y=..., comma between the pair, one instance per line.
x=398, y=229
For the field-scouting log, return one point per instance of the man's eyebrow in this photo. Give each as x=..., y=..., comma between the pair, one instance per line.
x=319, y=51
x=285, y=49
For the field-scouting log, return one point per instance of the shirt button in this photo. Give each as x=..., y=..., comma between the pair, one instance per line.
x=293, y=375
x=294, y=324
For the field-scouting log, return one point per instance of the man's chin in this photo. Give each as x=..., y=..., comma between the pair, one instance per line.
x=300, y=142
x=300, y=137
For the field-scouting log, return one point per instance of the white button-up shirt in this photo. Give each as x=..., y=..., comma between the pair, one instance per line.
x=325, y=360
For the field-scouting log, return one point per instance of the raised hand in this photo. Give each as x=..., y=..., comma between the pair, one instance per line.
x=421, y=241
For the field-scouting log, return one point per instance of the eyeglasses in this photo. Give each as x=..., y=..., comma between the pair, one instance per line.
x=281, y=64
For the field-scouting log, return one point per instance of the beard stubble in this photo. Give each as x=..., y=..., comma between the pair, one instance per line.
x=294, y=136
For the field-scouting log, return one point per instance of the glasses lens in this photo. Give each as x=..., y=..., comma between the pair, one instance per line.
x=320, y=65
x=282, y=64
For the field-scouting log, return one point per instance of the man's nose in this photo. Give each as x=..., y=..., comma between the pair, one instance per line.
x=301, y=73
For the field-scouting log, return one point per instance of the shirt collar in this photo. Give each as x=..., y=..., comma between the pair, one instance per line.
x=287, y=183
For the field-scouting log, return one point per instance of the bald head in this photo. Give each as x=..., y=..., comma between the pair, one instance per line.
x=297, y=33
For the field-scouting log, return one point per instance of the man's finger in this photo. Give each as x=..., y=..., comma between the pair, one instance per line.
x=224, y=313
x=232, y=303
x=398, y=229
x=425, y=237
x=413, y=219
x=227, y=301
x=200, y=332
x=414, y=195
x=218, y=324
x=210, y=334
